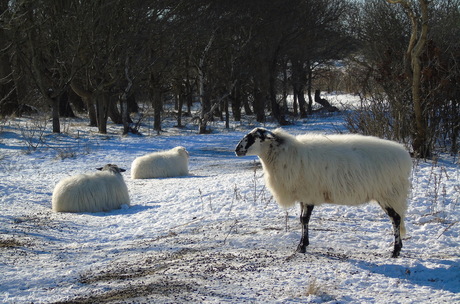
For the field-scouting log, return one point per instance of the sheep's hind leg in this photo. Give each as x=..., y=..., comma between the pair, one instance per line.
x=396, y=221
x=305, y=214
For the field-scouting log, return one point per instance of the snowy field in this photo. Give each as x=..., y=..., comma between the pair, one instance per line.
x=215, y=236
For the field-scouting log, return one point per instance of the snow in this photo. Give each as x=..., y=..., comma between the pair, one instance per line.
x=215, y=236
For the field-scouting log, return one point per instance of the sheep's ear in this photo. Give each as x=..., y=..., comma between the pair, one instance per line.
x=270, y=135
x=100, y=168
x=264, y=134
x=122, y=170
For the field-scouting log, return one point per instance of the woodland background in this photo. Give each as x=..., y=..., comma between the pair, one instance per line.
x=214, y=59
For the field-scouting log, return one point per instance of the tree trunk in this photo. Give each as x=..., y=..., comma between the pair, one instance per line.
x=236, y=103
x=413, y=65
x=421, y=143
x=189, y=96
x=309, y=88
x=455, y=126
x=204, y=118
x=102, y=101
x=246, y=106
x=180, y=104
x=65, y=110
x=259, y=104
x=9, y=103
x=124, y=113
x=133, y=107
x=113, y=111
x=91, y=111
x=310, y=102
x=302, y=102
x=156, y=96
x=55, y=114
x=76, y=101
x=298, y=84
x=124, y=99
x=295, y=103
x=205, y=102
x=277, y=111
x=219, y=112
x=227, y=114
x=87, y=97
x=285, y=107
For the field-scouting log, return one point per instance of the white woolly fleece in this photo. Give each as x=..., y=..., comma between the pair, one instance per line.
x=338, y=169
x=92, y=192
x=168, y=163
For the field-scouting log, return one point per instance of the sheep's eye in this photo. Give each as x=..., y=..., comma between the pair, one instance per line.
x=250, y=140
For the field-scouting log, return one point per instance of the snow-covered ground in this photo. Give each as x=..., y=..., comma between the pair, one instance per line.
x=215, y=236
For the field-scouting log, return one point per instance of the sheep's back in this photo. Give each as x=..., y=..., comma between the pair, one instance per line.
x=340, y=169
x=160, y=164
x=100, y=191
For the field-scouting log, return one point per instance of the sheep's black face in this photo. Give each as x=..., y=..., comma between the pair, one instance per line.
x=250, y=144
x=244, y=145
x=111, y=167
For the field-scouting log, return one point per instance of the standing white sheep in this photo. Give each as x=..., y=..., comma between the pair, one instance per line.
x=168, y=163
x=336, y=169
x=92, y=192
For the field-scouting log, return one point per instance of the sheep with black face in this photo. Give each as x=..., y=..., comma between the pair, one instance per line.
x=91, y=192
x=349, y=169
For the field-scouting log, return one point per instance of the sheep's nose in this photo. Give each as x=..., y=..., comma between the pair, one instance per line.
x=239, y=151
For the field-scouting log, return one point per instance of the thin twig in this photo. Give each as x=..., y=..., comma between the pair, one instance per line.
x=447, y=228
x=231, y=228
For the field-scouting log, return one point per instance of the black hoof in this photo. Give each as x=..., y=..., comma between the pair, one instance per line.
x=396, y=250
x=301, y=249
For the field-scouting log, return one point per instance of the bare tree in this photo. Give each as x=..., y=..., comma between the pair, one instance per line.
x=408, y=79
x=227, y=54
x=413, y=64
x=110, y=42
x=9, y=102
x=40, y=38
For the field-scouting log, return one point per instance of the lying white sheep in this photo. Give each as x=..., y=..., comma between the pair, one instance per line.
x=168, y=163
x=92, y=192
x=335, y=169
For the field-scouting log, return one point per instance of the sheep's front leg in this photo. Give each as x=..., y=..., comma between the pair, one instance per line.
x=396, y=221
x=305, y=213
